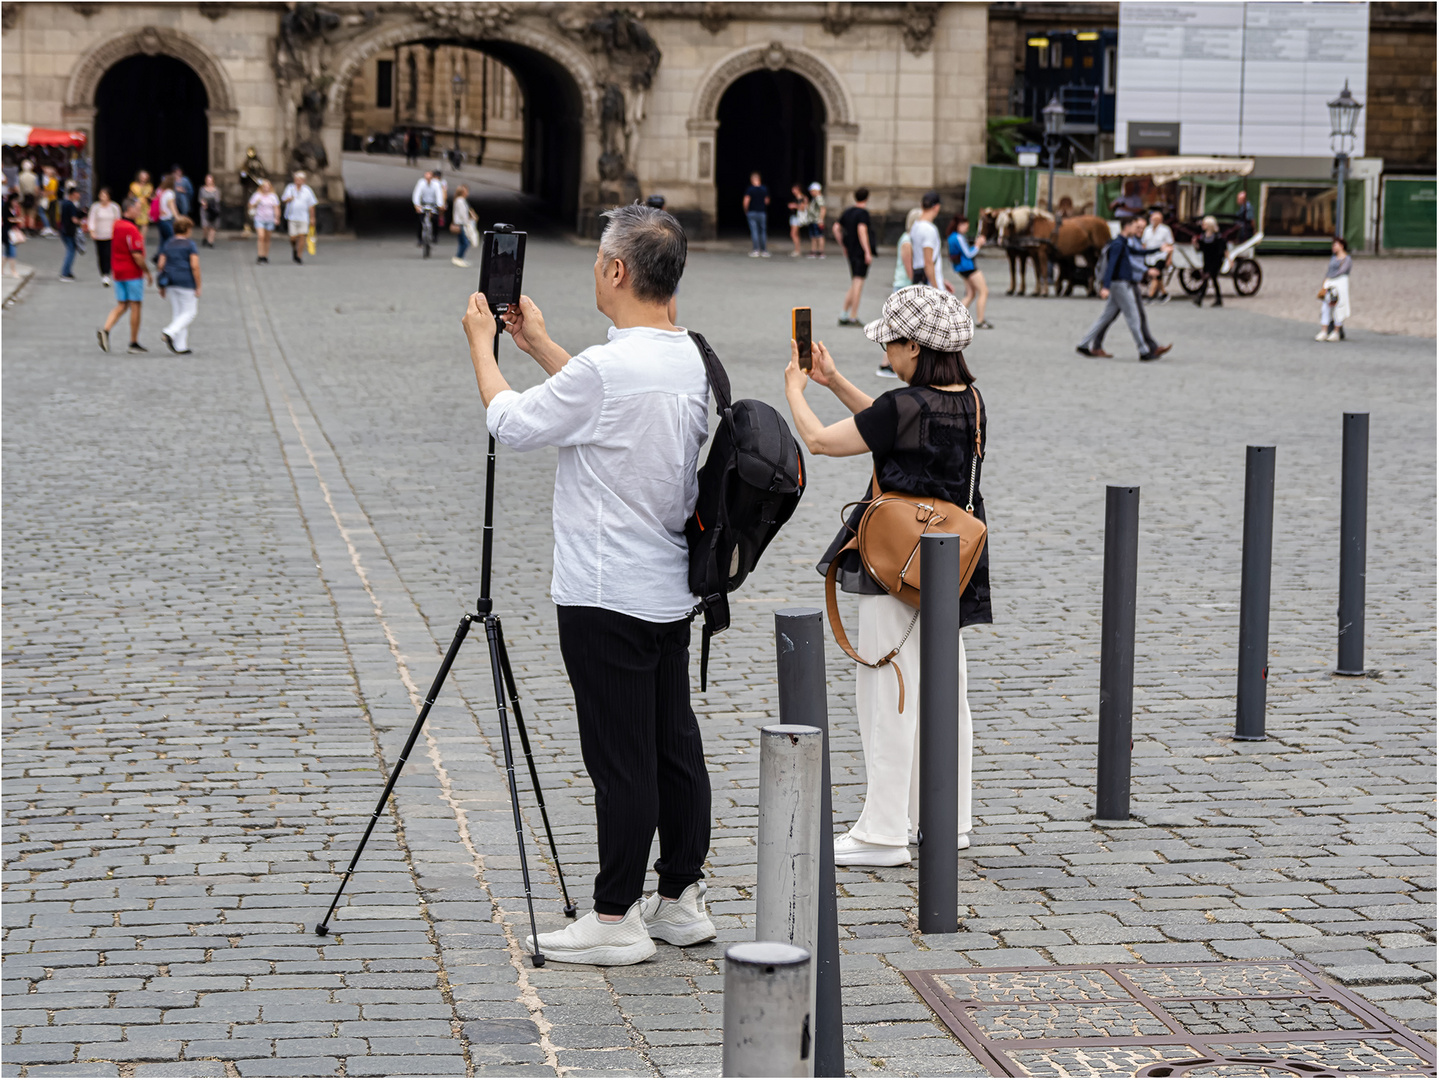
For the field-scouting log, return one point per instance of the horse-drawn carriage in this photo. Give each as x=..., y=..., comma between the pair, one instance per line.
x=1073, y=245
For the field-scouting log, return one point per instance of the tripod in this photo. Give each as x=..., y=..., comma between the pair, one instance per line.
x=504, y=677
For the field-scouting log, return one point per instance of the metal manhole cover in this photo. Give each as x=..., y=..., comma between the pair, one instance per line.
x=1279, y=1018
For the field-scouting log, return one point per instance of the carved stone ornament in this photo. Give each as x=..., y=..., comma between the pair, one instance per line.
x=85, y=10
x=776, y=56
x=715, y=17
x=8, y=14
x=918, y=22
x=214, y=12
x=150, y=42
x=838, y=18
x=468, y=20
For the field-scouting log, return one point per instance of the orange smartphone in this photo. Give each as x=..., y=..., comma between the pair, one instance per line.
x=800, y=330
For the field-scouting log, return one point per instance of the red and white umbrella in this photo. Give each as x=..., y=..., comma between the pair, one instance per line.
x=25, y=135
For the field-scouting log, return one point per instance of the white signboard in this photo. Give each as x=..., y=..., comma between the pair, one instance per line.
x=1241, y=78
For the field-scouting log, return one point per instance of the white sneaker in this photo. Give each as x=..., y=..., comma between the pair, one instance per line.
x=590, y=941
x=459, y=261
x=754, y=254
x=764, y=254
x=963, y=841
x=105, y=281
x=680, y=922
x=851, y=852
x=1334, y=336
x=1323, y=335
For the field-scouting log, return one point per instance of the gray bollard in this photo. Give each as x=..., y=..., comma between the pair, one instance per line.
x=1254, y=593
x=766, y=1010
x=803, y=699
x=1353, y=522
x=787, y=865
x=1116, y=653
x=939, y=734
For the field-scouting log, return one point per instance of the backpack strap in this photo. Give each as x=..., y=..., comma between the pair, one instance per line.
x=718, y=378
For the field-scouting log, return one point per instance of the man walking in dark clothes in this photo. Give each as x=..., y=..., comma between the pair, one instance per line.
x=629, y=418
x=1124, y=270
x=852, y=231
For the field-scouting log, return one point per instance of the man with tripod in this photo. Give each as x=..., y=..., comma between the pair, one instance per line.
x=629, y=418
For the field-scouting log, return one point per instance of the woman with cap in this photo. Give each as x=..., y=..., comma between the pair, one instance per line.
x=922, y=439
x=814, y=216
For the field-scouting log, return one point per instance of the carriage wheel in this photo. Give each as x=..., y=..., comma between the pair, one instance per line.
x=1247, y=277
x=1190, y=280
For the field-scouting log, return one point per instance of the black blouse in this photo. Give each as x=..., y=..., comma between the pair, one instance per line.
x=922, y=440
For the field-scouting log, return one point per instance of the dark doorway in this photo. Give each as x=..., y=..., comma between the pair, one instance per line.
x=771, y=121
x=554, y=128
x=150, y=114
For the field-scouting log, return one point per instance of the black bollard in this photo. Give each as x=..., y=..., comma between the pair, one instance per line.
x=1353, y=522
x=803, y=699
x=1254, y=593
x=1116, y=653
x=939, y=734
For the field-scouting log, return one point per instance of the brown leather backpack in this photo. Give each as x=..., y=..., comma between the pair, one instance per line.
x=888, y=544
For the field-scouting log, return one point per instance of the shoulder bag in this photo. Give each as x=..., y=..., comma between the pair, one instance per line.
x=888, y=542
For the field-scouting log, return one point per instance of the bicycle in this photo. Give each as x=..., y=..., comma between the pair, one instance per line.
x=427, y=229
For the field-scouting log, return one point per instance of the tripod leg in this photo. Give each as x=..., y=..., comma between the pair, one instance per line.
x=530, y=760
x=323, y=926
x=492, y=633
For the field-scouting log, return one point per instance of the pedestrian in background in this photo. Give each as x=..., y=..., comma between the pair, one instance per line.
x=209, y=209
x=100, y=223
x=852, y=232
x=1212, y=249
x=462, y=221
x=1334, y=293
x=922, y=438
x=412, y=147
x=903, y=275
x=798, y=207
x=300, y=202
x=1243, y=217
x=1156, y=235
x=184, y=192
x=265, y=211
x=49, y=200
x=28, y=184
x=756, y=214
x=141, y=188
x=130, y=271
x=1123, y=271
x=179, y=279
x=925, y=261
x=14, y=233
x=162, y=212
x=814, y=216
x=72, y=220
x=962, y=254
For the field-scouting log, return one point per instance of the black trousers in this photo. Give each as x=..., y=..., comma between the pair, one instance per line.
x=102, y=256
x=1209, y=275
x=641, y=745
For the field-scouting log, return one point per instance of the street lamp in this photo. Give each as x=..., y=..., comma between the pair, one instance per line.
x=1053, y=114
x=1343, y=116
x=458, y=82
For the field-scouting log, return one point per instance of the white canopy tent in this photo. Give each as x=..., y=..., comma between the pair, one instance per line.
x=1164, y=170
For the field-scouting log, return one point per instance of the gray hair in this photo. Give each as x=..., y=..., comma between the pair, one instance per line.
x=651, y=244
x=129, y=204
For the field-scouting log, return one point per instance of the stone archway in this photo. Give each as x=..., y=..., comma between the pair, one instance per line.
x=222, y=114
x=548, y=69
x=840, y=129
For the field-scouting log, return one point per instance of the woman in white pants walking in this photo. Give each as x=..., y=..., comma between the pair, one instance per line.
x=923, y=438
x=179, y=279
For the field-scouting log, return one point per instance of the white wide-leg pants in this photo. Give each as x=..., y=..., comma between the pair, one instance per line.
x=184, y=307
x=891, y=738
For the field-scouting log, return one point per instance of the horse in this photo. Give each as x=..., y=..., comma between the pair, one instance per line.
x=1083, y=236
x=1021, y=231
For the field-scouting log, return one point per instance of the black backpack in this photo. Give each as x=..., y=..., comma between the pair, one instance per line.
x=749, y=486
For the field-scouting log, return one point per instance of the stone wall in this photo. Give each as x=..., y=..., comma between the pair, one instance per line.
x=1399, y=111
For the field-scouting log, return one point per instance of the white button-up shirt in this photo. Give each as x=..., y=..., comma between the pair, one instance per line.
x=428, y=193
x=629, y=418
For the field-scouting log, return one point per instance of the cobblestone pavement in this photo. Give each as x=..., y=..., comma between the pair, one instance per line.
x=228, y=579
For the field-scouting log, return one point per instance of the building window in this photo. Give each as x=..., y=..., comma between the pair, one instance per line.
x=384, y=84
x=1111, y=66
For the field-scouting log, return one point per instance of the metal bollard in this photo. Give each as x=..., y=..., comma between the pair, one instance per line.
x=1116, y=653
x=1353, y=522
x=1254, y=593
x=766, y=1003
x=787, y=870
x=939, y=734
x=803, y=699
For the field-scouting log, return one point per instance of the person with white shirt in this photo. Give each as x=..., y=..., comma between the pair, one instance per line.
x=429, y=194
x=300, y=203
x=629, y=418
x=926, y=247
x=1157, y=235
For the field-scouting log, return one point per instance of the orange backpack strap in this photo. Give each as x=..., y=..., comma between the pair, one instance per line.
x=841, y=638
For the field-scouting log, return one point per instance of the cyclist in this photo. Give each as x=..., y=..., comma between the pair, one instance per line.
x=428, y=197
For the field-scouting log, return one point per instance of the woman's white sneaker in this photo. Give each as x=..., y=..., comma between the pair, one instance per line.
x=680, y=922
x=590, y=941
x=851, y=852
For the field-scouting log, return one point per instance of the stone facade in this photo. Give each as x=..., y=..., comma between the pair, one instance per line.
x=1400, y=126
x=632, y=106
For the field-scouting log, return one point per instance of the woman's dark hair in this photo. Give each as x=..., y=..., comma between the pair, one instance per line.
x=955, y=222
x=935, y=368
x=1342, y=243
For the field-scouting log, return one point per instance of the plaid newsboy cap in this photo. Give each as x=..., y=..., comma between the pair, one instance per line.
x=932, y=317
